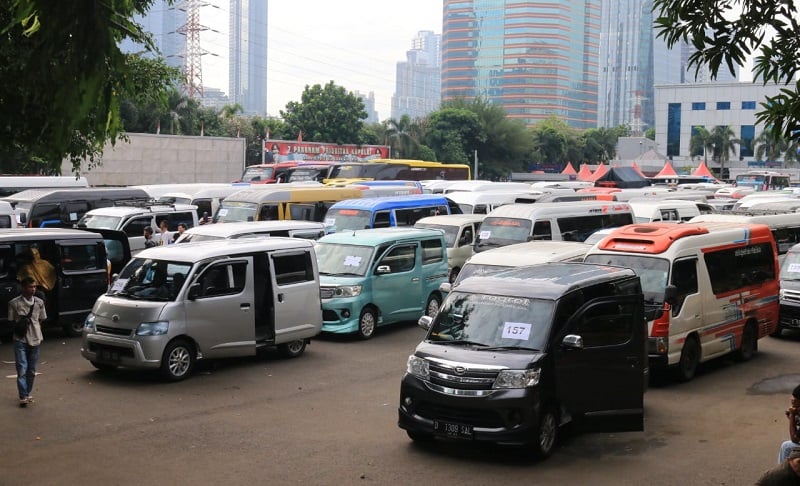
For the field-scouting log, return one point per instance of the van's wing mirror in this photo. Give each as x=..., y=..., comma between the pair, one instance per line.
x=23, y=219
x=572, y=341
x=383, y=269
x=194, y=291
x=445, y=287
x=425, y=322
x=671, y=295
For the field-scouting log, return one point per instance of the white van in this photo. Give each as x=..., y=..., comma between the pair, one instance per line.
x=710, y=288
x=206, y=199
x=173, y=305
x=487, y=186
x=309, y=230
x=667, y=210
x=785, y=227
x=519, y=255
x=480, y=202
x=460, y=231
x=567, y=221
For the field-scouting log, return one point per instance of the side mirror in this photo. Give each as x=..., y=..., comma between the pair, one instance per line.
x=23, y=219
x=425, y=322
x=671, y=295
x=572, y=341
x=194, y=291
x=383, y=269
x=445, y=287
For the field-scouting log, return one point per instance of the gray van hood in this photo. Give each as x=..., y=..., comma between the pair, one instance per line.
x=125, y=314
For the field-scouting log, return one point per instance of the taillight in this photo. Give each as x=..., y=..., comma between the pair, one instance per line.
x=660, y=326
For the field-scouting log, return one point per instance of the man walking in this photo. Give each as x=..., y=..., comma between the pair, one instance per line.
x=26, y=346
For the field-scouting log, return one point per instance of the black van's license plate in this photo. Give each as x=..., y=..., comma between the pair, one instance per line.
x=450, y=429
x=108, y=355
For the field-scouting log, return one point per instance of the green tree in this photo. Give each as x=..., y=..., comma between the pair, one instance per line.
x=724, y=143
x=555, y=142
x=700, y=143
x=650, y=133
x=400, y=134
x=451, y=133
x=771, y=146
x=721, y=39
x=600, y=144
x=326, y=114
x=62, y=76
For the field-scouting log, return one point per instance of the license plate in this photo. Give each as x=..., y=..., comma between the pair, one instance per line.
x=108, y=355
x=450, y=429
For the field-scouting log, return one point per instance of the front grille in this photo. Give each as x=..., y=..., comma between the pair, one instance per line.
x=325, y=293
x=329, y=315
x=123, y=352
x=791, y=296
x=471, y=416
x=461, y=378
x=113, y=330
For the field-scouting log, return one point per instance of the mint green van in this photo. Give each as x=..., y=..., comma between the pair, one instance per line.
x=373, y=277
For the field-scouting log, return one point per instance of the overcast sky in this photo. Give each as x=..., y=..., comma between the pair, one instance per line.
x=356, y=44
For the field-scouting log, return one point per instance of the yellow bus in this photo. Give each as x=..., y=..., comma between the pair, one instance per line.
x=275, y=203
x=397, y=169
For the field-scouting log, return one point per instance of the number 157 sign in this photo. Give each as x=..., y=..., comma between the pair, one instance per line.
x=516, y=330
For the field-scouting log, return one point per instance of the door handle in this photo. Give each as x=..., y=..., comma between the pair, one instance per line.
x=245, y=306
x=280, y=297
x=415, y=279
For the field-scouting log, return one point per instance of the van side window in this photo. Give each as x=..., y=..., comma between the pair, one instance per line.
x=669, y=215
x=5, y=221
x=684, y=277
x=432, y=251
x=81, y=257
x=269, y=212
x=605, y=324
x=176, y=218
x=294, y=268
x=223, y=279
x=381, y=220
x=542, y=231
x=401, y=258
x=786, y=238
x=302, y=212
x=739, y=267
x=6, y=261
x=136, y=226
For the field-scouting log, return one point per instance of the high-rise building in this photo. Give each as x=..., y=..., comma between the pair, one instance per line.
x=247, y=59
x=418, y=79
x=369, y=106
x=535, y=59
x=162, y=21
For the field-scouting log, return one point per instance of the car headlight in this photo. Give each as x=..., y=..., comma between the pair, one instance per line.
x=157, y=328
x=418, y=367
x=517, y=378
x=88, y=323
x=347, y=291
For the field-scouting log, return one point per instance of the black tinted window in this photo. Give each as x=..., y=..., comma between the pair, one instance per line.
x=294, y=268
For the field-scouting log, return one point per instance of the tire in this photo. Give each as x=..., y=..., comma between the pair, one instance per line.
x=103, y=366
x=419, y=436
x=73, y=328
x=690, y=359
x=546, y=434
x=749, y=346
x=367, y=323
x=178, y=360
x=432, y=306
x=453, y=275
x=292, y=349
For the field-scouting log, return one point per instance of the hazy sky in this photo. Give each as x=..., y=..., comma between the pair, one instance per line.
x=355, y=43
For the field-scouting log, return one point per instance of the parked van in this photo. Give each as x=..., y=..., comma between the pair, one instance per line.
x=476, y=186
x=254, y=229
x=282, y=202
x=785, y=227
x=790, y=292
x=80, y=270
x=385, y=212
x=371, y=278
x=173, y=305
x=62, y=208
x=512, y=356
x=460, y=231
x=519, y=255
x=710, y=288
x=133, y=220
x=666, y=210
x=573, y=221
x=8, y=216
x=483, y=202
x=207, y=199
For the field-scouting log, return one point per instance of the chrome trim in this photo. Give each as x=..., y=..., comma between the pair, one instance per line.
x=462, y=379
x=446, y=363
x=462, y=393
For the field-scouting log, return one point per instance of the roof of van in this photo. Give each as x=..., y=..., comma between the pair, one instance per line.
x=191, y=252
x=122, y=211
x=282, y=192
x=45, y=233
x=371, y=237
x=544, y=281
x=526, y=210
x=77, y=193
x=452, y=219
x=389, y=201
x=225, y=230
x=530, y=253
x=785, y=219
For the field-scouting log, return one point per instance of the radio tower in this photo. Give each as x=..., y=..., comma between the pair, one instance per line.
x=192, y=67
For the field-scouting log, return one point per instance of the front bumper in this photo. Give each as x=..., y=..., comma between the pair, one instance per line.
x=143, y=352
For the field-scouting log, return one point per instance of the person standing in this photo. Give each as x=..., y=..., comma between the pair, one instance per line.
x=793, y=415
x=165, y=236
x=26, y=347
x=149, y=242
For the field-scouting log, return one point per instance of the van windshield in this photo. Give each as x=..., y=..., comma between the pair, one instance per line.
x=499, y=231
x=348, y=219
x=790, y=268
x=146, y=279
x=450, y=232
x=99, y=221
x=473, y=269
x=236, y=212
x=334, y=259
x=493, y=321
x=652, y=272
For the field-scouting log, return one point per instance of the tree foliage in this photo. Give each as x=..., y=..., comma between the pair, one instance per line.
x=61, y=78
x=326, y=114
x=451, y=133
x=722, y=38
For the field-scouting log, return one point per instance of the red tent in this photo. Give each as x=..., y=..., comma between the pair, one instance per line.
x=599, y=172
x=667, y=170
x=569, y=170
x=637, y=169
x=702, y=170
x=585, y=174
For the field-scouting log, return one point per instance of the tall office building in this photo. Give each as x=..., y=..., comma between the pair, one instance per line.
x=247, y=60
x=369, y=106
x=163, y=22
x=418, y=79
x=535, y=59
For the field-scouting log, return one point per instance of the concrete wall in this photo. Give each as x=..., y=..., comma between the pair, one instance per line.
x=166, y=159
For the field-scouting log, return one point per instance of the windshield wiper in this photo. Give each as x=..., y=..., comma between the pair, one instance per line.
x=512, y=348
x=459, y=341
x=340, y=274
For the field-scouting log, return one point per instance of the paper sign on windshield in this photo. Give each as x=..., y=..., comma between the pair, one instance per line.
x=794, y=267
x=119, y=284
x=330, y=221
x=223, y=212
x=516, y=330
x=485, y=234
x=352, y=261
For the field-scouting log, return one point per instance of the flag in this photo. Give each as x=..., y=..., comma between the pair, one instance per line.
x=300, y=136
x=267, y=137
x=158, y=127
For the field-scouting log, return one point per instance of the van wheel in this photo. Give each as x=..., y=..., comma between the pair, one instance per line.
x=366, y=323
x=690, y=359
x=292, y=349
x=432, y=307
x=73, y=328
x=749, y=345
x=177, y=362
x=546, y=434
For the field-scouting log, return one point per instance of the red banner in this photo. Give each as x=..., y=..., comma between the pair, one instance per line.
x=287, y=150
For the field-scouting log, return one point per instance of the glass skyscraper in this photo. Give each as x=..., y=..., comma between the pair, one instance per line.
x=419, y=80
x=163, y=22
x=247, y=60
x=535, y=59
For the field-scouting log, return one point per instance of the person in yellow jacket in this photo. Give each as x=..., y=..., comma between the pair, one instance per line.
x=40, y=270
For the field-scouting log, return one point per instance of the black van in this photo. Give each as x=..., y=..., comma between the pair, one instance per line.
x=80, y=260
x=62, y=208
x=512, y=356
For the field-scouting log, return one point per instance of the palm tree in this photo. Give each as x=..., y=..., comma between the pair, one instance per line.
x=700, y=142
x=724, y=143
x=769, y=145
x=401, y=139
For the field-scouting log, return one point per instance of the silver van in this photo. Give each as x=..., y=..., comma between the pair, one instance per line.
x=173, y=305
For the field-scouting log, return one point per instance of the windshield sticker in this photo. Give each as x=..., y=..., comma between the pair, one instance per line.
x=794, y=267
x=352, y=261
x=223, y=212
x=119, y=284
x=485, y=234
x=330, y=221
x=516, y=330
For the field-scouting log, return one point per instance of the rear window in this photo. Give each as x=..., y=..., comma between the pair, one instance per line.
x=432, y=251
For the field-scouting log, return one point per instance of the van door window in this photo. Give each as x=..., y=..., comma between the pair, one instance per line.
x=268, y=212
x=294, y=268
x=382, y=220
x=6, y=261
x=669, y=215
x=432, y=251
x=735, y=268
x=5, y=221
x=81, y=257
x=223, y=279
x=72, y=212
x=400, y=258
x=302, y=212
x=136, y=226
x=608, y=324
x=176, y=218
x=684, y=277
x=542, y=231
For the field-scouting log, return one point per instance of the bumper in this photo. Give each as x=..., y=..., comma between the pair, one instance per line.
x=340, y=316
x=503, y=417
x=131, y=353
x=789, y=316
